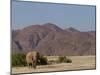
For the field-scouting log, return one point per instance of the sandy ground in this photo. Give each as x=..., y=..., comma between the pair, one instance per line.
x=78, y=63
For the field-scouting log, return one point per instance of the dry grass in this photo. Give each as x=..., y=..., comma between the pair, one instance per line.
x=78, y=63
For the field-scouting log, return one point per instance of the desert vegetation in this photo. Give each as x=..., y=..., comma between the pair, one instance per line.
x=64, y=59
x=19, y=59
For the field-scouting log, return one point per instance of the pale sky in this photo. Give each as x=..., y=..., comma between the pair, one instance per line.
x=81, y=17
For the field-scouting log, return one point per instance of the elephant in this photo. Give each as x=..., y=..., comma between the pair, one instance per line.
x=32, y=58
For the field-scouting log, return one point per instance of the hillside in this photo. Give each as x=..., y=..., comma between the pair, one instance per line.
x=48, y=39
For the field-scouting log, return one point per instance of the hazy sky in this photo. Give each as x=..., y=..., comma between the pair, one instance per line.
x=63, y=15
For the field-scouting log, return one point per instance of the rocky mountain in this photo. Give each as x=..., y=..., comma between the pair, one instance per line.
x=48, y=39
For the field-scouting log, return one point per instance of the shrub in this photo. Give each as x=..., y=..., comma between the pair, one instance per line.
x=43, y=61
x=63, y=59
x=18, y=59
x=69, y=60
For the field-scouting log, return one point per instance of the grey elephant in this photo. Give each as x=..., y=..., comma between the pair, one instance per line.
x=32, y=59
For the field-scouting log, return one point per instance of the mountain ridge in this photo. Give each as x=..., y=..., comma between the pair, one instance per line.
x=49, y=39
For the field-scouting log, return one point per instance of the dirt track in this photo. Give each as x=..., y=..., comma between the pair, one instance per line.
x=78, y=62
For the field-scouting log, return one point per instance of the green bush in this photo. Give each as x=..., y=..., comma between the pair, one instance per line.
x=18, y=59
x=64, y=59
x=42, y=61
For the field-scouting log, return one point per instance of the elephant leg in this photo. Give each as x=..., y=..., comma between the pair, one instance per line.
x=28, y=64
x=31, y=64
x=34, y=65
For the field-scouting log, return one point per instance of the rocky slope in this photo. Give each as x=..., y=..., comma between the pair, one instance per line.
x=48, y=39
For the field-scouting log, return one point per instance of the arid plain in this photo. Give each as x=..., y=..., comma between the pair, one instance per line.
x=78, y=63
